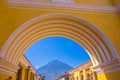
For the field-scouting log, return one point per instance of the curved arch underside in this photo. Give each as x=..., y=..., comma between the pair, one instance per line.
x=98, y=46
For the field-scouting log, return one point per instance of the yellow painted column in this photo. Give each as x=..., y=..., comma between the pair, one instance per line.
x=29, y=74
x=33, y=76
x=84, y=74
x=77, y=75
x=81, y=75
x=23, y=73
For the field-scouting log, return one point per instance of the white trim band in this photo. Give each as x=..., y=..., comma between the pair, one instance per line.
x=7, y=67
x=70, y=6
x=112, y=66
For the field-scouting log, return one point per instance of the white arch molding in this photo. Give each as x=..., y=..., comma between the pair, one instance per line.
x=98, y=46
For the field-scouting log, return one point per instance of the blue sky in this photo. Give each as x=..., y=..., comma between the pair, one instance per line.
x=56, y=47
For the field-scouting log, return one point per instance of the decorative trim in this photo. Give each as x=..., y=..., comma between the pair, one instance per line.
x=69, y=6
x=26, y=62
x=7, y=67
x=111, y=66
x=82, y=66
x=65, y=1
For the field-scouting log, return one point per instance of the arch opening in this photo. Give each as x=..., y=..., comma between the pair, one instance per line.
x=54, y=48
x=54, y=51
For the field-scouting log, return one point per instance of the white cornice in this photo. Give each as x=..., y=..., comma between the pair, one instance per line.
x=65, y=1
x=107, y=67
x=7, y=67
x=26, y=62
x=82, y=66
x=69, y=6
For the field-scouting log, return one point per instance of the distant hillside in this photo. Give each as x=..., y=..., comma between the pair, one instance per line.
x=53, y=69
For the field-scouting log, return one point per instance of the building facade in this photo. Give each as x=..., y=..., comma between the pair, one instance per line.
x=94, y=24
x=26, y=71
x=83, y=72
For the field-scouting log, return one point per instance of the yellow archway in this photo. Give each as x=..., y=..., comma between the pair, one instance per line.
x=96, y=43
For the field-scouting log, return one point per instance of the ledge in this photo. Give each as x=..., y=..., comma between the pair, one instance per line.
x=7, y=68
x=112, y=66
x=70, y=6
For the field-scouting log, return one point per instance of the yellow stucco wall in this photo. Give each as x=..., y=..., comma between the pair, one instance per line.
x=4, y=77
x=109, y=76
x=116, y=2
